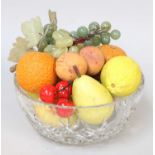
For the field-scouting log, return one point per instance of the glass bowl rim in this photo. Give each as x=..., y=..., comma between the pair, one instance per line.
x=39, y=102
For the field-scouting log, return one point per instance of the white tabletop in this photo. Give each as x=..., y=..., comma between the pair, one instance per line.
x=133, y=18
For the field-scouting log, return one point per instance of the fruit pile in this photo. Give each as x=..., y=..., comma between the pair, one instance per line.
x=73, y=69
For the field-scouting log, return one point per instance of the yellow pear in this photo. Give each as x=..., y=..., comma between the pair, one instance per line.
x=89, y=92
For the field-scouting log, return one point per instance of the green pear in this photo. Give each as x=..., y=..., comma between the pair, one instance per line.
x=48, y=115
x=33, y=95
x=89, y=92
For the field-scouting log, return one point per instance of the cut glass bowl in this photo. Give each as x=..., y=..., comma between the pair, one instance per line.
x=74, y=130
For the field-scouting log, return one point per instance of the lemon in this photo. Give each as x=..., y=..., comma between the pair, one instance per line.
x=121, y=76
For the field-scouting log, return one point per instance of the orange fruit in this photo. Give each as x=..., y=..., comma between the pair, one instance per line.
x=34, y=70
x=110, y=51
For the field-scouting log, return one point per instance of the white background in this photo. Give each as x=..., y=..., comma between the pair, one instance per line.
x=133, y=18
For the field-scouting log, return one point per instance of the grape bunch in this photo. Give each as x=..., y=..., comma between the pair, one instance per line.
x=95, y=34
x=57, y=42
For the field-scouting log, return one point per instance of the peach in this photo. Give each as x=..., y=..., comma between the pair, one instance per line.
x=110, y=51
x=94, y=58
x=65, y=63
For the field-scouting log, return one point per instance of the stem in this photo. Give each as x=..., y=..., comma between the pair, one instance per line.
x=81, y=40
x=13, y=68
x=53, y=18
x=40, y=34
x=76, y=71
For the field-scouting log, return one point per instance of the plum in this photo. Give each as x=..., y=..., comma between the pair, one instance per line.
x=94, y=58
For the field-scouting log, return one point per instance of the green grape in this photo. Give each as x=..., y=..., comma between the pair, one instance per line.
x=73, y=49
x=105, y=38
x=106, y=26
x=48, y=30
x=96, y=40
x=55, y=51
x=42, y=44
x=94, y=26
x=50, y=40
x=115, y=34
x=49, y=48
x=80, y=45
x=74, y=34
x=88, y=42
x=62, y=38
x=105, y=34
x=82, y=31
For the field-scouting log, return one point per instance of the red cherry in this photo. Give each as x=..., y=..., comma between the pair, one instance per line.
x=48, y=94
x=64, y=112
x=64, y=89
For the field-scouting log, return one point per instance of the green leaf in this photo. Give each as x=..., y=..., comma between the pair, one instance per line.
x=19, y=48
x=32, y=30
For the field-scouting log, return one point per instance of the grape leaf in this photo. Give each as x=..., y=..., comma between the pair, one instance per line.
x=19, y=48
x=32, y=30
